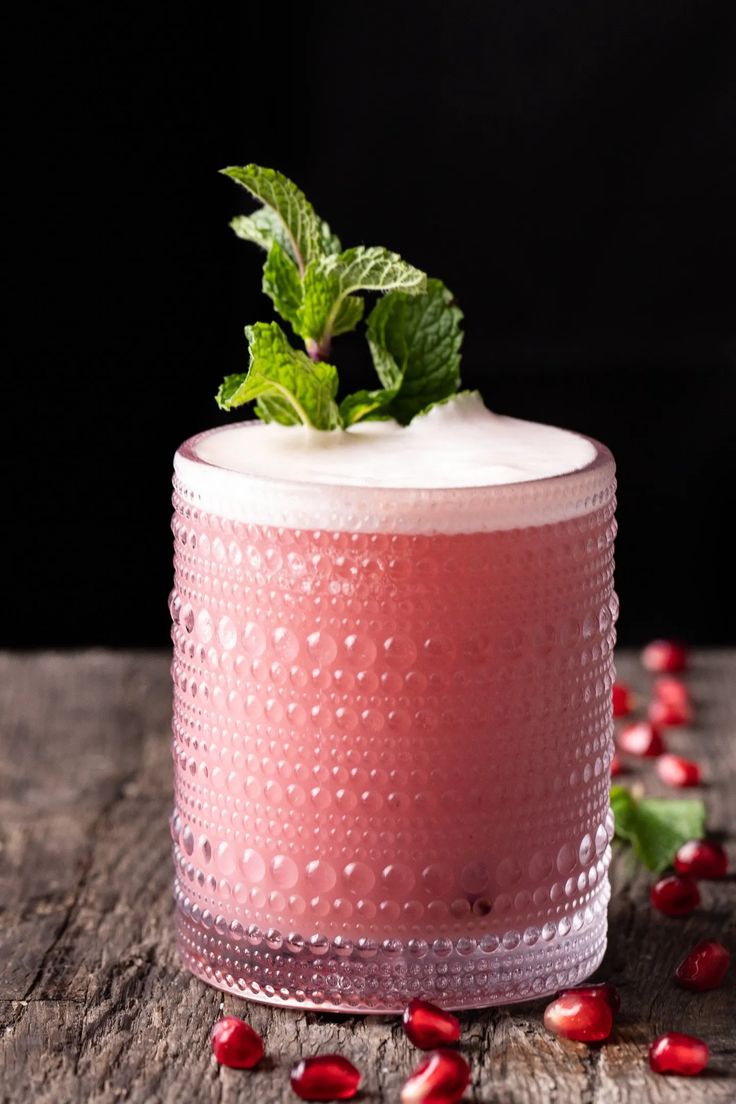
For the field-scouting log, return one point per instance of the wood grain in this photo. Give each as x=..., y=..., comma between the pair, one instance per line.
x=95, y=1007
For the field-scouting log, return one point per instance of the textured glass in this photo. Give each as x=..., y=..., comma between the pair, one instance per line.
x=392, y=749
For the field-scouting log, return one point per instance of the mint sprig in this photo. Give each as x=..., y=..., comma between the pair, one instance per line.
x=314, y=284
x=656, y=827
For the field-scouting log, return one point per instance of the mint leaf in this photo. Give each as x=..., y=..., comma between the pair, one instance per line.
x=329, y=281
x=415, y=344
x=329, y=242
x=301, y=225
x=364, y=406
x=227, y=390
x=282, y=284
x=656, y=827
x=289, y=386
x=349, y=315
x=263, y=227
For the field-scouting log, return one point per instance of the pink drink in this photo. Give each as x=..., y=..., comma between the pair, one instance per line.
x=392, y=748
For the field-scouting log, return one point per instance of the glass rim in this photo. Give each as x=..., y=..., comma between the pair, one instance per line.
x=603, y=459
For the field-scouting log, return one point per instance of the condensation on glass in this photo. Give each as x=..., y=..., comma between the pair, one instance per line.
x=392, y=749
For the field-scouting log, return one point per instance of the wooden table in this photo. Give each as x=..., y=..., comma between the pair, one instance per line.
x=95, y=1006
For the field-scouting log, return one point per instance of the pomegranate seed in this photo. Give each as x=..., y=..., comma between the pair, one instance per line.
x=236, y=1044
x=326, y=1077
x=664, y=657
x=702, y=859
x=578, y=1015
x=616, y=767
x=642, y=739
x=440, y=1078
x=428, y=1026
x=676, y=1053
x=675, y=895
x=622, y=699
x=669, y=713
x=672, y=690
x=705, y=967
x=603, y=990
x=676, y=771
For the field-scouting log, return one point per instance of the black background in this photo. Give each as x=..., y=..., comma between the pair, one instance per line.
x=566, y=168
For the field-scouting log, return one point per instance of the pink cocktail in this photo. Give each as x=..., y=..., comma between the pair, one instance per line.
x=392, y=735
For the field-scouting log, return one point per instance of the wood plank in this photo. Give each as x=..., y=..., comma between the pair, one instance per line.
x=96, y=1008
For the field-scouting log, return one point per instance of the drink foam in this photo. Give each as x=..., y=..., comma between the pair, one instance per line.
x=459, y=468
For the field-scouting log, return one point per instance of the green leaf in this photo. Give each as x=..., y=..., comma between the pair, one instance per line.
x=656, y=827
x=415, y=344
x=349, y=315
x=264, y=227
x=227, y=389
x=329, y=242
x=364, y=406
x=282, y=284
x=329, y=280
x=289, y=387
x=301, y=225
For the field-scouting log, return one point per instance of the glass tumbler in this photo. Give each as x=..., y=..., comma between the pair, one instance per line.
x=392, y=736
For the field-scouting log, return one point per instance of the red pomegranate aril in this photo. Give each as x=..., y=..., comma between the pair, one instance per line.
x=581, y=1016
x=326, y=1077
x=676, y=1053
x=672, y=690
x=702, y=859
x=675, y=895
x=440, y=1078
x=603, y=990
x=669, y=713
x=642, y=739
x=236, y=1044
x=428, y=1026
x=664, y=657
x=616, y=767
x=623, y=699
x=705, y=967
x=676, y=771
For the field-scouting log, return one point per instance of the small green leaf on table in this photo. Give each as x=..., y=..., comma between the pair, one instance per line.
x=656, y=827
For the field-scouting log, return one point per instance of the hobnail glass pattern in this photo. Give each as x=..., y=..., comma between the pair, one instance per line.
x=392, y=754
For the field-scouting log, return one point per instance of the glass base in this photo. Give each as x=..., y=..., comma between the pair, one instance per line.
x=339, y=976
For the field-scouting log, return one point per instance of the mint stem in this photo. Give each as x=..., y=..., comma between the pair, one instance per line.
x=318, y=350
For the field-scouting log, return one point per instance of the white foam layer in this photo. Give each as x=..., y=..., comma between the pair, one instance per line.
x=460, y=468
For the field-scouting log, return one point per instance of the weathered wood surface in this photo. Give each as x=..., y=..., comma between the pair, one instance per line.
x=95, y=1007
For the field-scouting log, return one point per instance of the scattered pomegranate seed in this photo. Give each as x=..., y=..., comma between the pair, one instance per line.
x=326, y=1077
x=669, y=713
x=675, y=895
x=676, y=771
x=705, y=967
x=603, y=990
x=440, y=1078
x=643, y=739
x=579, y=1015
x=664, y=657
x=702, y=859
x=676, y=1053
x=672, y=690
x=616, y=767
x=428, y=1026
x=623, y=699
x=236, y=1044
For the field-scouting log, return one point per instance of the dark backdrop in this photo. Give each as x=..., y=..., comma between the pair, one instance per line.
x=567, y=168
